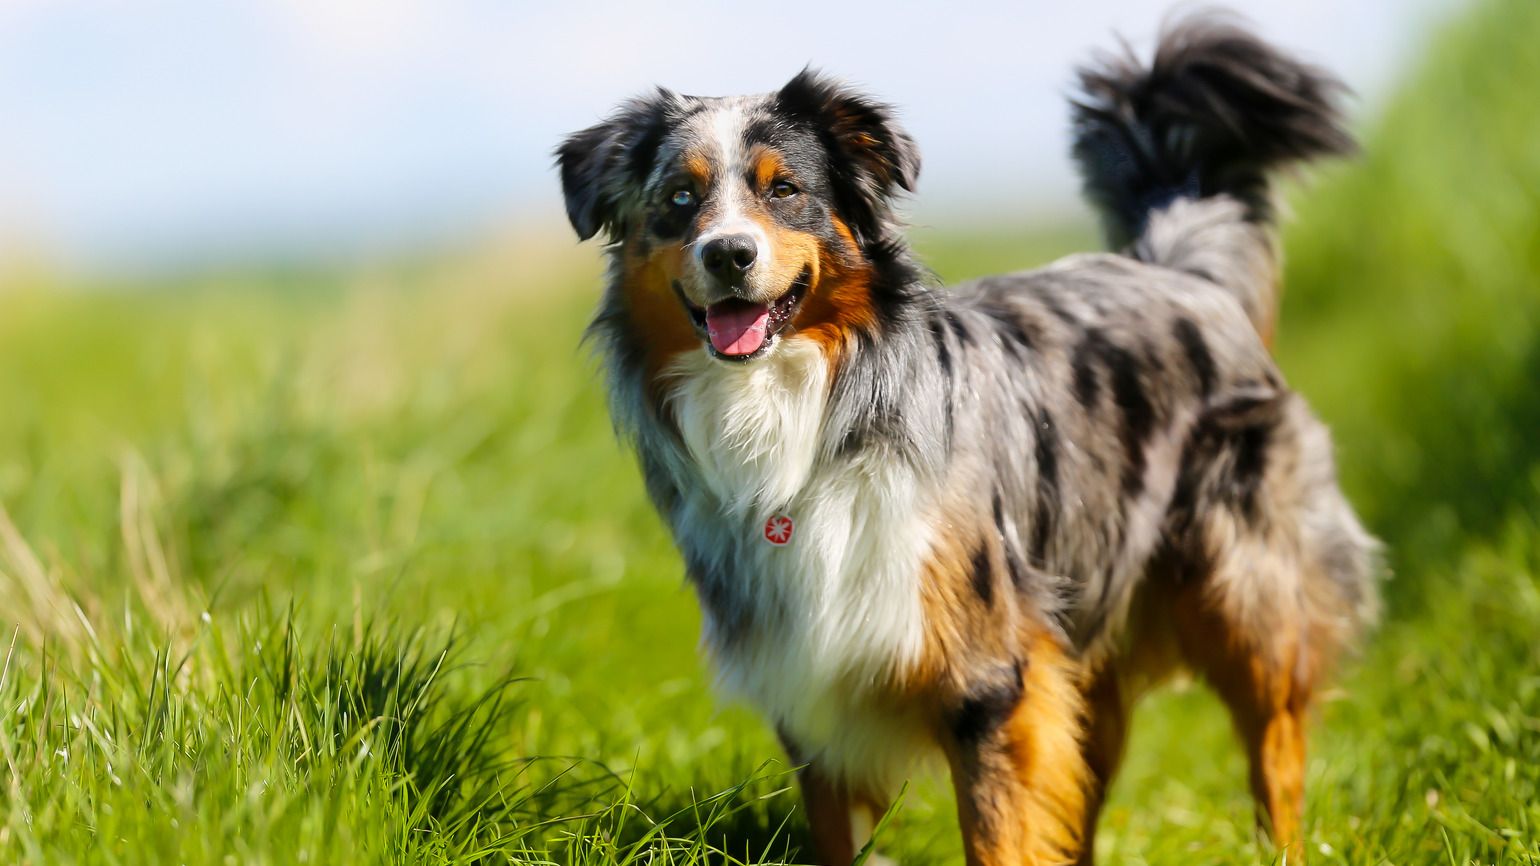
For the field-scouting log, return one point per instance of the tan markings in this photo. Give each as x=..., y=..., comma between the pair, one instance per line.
x=792, y=252
x=1021, y=785
x=1266, y=684
x=1106, y=734
x=965, y=636
x=1021, y=788
x=958, y=630
x=1267, y=325
x=657, y=317
x=839, y=297
x=768, y=168
x=698, y=167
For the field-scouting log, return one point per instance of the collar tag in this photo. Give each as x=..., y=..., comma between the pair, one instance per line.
x=778, y=530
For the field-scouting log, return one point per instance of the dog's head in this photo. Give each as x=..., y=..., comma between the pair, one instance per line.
x=738, y=218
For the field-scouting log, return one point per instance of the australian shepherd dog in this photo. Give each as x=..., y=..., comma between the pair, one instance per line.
x=978, y=522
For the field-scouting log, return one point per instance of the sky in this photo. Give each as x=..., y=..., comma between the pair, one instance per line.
x=137, y=132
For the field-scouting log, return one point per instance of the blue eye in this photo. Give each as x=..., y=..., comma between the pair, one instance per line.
x=682, y=198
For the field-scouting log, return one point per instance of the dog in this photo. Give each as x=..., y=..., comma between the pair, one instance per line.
x=976, y=523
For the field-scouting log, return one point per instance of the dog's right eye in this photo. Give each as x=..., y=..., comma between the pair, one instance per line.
x=682, y=198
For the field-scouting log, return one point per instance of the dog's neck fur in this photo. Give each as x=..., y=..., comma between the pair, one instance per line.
x=802, y=630
x=752, y=429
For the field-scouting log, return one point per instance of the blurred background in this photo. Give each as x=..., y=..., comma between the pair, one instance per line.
x=290, y=373
x=150, y=134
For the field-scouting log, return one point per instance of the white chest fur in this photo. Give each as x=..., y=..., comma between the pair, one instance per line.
x=837, y=610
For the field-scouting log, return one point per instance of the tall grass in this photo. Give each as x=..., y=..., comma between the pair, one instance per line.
x=1413, y=308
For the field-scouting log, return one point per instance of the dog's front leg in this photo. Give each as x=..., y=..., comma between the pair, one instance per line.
x=1013, y=746
x=840, y=821
x=828, y=808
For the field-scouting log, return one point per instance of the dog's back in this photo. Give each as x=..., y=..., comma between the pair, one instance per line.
x=1164, y=438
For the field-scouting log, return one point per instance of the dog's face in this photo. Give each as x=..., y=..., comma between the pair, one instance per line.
x=737, y=219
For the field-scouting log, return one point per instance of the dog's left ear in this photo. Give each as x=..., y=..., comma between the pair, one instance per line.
x=605, y=165
x=873, y=157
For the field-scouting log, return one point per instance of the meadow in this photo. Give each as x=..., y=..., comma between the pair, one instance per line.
x=305, y=564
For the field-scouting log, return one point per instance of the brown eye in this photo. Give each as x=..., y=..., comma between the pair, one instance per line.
x=782, y=189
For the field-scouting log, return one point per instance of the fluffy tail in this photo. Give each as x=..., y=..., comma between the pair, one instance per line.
x=1176, y=155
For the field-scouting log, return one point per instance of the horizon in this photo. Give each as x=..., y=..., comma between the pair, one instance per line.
x=179, y=133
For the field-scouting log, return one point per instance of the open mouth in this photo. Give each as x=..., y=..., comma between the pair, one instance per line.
x=742, y=330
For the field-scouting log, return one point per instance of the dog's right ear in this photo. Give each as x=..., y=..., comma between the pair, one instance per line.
x=604, y=166
x=871, y=156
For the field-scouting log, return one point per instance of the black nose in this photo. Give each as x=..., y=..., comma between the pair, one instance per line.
x=729, y=257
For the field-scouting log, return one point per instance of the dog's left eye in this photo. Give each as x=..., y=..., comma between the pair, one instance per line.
x=782, y=189
x=682, y=198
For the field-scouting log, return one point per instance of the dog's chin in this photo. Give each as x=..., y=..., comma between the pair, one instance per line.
x=738, y=331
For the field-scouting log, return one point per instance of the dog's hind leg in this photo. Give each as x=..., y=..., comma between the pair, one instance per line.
x=1276, y=580
x=1265, y=685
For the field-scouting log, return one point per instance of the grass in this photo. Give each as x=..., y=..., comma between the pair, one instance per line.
x=306, y=568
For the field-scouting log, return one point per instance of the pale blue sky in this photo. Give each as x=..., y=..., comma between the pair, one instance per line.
x=174, y=130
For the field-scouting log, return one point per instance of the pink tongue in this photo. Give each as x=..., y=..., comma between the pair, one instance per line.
x=737, y=327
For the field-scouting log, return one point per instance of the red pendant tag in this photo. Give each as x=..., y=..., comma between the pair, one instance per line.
x=778, y=530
